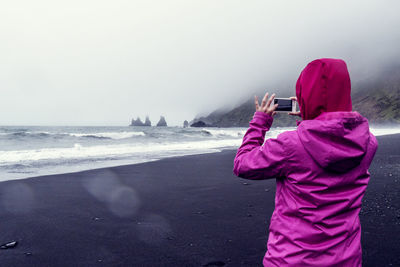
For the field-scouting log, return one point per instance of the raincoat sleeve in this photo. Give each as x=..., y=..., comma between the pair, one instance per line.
x=255, y=160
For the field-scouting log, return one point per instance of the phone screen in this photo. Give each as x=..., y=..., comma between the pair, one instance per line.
x=283, y=104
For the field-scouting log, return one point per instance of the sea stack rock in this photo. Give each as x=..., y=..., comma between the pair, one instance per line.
x=162, y=121
x=185, y=124
x=147, y=122
x=137, y=122
x=199, y=124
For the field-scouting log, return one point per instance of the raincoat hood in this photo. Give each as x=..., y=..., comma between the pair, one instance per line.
x=323, y=86
x=335, y=137
x=337, y=141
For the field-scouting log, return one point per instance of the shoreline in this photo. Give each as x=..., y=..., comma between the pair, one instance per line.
x=179, y=211
x=144, y=162
x=122, y=165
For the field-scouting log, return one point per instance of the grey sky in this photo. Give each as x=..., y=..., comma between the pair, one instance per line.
x=104, y=62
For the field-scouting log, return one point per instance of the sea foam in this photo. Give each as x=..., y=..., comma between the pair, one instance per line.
x=111, y=135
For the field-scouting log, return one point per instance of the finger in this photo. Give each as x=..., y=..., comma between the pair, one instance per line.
x=270, y=100
x=264, y=100
x=295, y=113
x=256, y=102
x=271, y=110
x=293, y=97
x=273, y=113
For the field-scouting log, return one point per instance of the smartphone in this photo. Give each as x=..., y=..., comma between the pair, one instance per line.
x=285, y=105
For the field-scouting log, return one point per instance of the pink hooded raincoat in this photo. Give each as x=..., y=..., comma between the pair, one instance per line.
x=321, y=172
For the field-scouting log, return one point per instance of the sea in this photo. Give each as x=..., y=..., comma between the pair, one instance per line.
x=28, y=151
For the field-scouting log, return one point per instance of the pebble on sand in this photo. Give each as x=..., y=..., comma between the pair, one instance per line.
x=11, y=244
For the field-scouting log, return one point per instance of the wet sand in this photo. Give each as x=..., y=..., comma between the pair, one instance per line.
x=182, y=211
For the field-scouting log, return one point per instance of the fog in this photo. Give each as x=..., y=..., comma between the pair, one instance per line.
x=104, y=62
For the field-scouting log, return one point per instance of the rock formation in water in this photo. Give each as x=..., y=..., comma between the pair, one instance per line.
x=137, y=122
x=162, y=121
x=199, y=124
x=185, y=124
x=147, y=122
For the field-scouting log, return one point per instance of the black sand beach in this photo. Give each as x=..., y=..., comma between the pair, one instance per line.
x=183, y=211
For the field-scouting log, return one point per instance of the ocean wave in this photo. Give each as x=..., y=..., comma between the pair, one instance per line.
x=223, y=133
x=108, y=135
x=41, y=134
x=384, y=131
x=110, y=151
x=11, y=130
x=17, y=134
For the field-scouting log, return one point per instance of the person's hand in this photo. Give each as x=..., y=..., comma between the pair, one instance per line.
x=297, y=113
x=266, y=105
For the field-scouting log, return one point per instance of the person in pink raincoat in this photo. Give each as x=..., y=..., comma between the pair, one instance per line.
x=321, y=170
